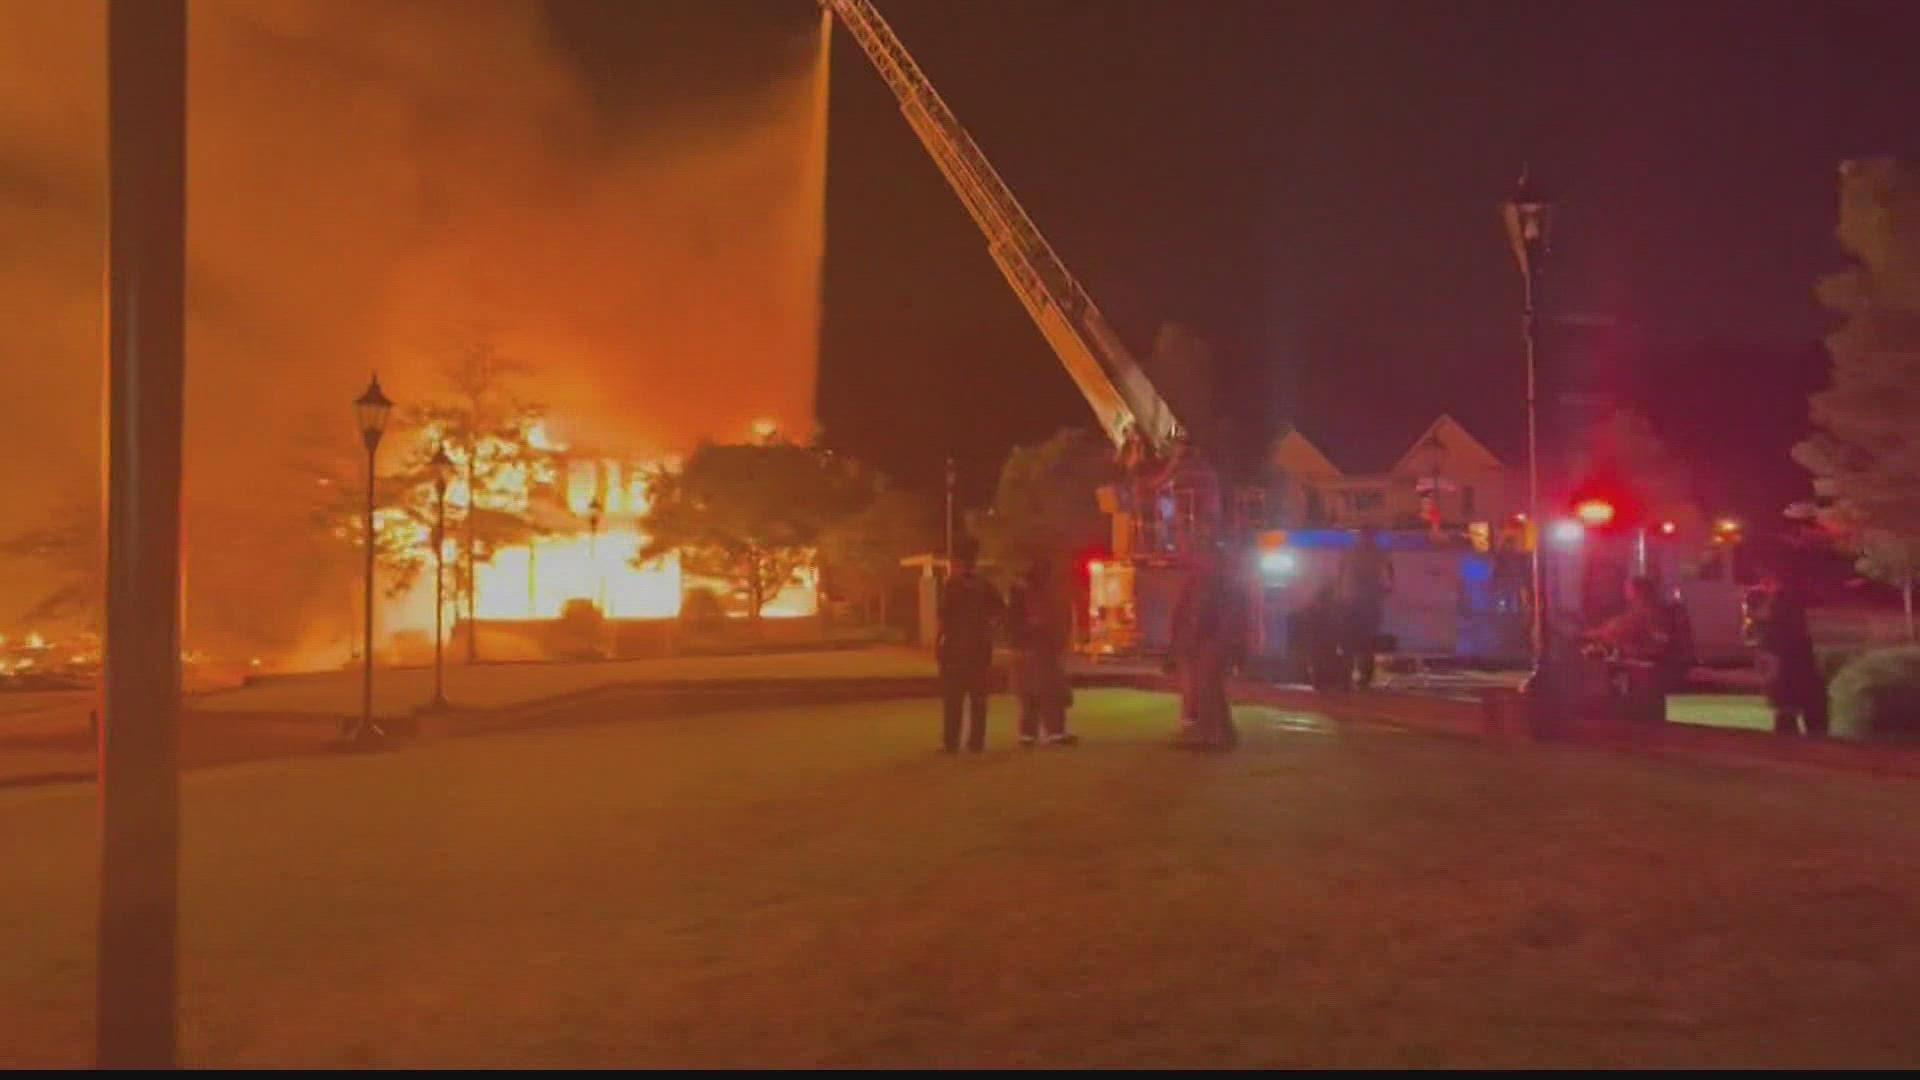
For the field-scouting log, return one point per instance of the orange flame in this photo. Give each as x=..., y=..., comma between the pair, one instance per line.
x=593, y=560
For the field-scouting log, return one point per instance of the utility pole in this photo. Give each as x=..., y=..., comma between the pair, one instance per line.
x=135, y=1005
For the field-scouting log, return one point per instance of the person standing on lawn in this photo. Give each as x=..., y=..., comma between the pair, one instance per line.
x=1366, y=577
x=1641, y=639
x=1795, y=687
x=970, y=609
x=1209, y=639
x=1037, y=627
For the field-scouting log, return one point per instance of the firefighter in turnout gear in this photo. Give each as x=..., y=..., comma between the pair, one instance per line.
x=970, y=610
x=1209, y=640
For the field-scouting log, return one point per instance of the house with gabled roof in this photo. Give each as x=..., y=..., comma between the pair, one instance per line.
x=1446, y=478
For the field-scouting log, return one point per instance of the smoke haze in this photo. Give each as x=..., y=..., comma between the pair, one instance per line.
x=373, y=183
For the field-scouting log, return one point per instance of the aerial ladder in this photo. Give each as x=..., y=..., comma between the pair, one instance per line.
x=1171, y=500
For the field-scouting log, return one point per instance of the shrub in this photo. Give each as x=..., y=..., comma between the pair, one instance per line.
x=1832, y=661
x=582, y=613
x=702, y=607
x=581, y=631
x=1878, y=696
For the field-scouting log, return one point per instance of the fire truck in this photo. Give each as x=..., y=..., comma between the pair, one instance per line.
x=1170, y=501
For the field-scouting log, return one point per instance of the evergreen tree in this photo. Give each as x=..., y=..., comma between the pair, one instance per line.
x=1865, y=456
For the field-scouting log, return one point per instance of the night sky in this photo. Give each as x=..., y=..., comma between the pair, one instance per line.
x=1312, y=186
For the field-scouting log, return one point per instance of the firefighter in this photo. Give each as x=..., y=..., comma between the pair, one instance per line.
x=1366, y=577
x=1642, y=640
x=970, y=609
x=1330, y=670
x=1036, y=625
x=1794, y=687
x=1209, y=637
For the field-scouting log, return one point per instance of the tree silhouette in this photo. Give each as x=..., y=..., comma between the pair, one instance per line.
x=1865, y=455
x=1046, y=506
x=750, y=515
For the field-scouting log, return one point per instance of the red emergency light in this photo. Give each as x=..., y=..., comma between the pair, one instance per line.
x=1594, y=513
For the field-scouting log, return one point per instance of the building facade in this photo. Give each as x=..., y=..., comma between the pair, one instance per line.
x=1446, y=480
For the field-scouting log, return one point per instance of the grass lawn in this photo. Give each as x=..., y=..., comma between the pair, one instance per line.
x=818, y=888
x=1748, y=711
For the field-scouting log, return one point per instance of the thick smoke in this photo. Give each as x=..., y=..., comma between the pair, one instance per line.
x=373, y=183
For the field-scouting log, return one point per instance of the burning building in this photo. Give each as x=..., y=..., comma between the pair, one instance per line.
x=638, y=218
x=601, y=563
x=584, y=513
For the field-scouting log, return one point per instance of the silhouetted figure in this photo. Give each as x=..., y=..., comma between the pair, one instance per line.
x=1644, y=630
x=969, y=611
x=1321, y=629
x=1037, y=627
x=1366, y=577
x=1794, y=687
x=1642, y=639
x=1209, y=638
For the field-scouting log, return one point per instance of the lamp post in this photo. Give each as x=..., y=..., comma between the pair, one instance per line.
x=442, y=467
x=472, y=583
x=952, y=476
x=1529, y=220
x=593, y=553
x=370, y=409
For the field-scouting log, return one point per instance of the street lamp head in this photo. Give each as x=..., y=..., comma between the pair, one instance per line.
x=1566, y=532
x=442, y=467
x=371, y=409
x=1528, y=217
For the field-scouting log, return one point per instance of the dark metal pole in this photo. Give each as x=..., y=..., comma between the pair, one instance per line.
x=593, y=557
x=1539, y=630
x=439, y=598
x=1546, y=697
x=366, y=637
x=146, y=375
x=473, y=502
x=1528, y=220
